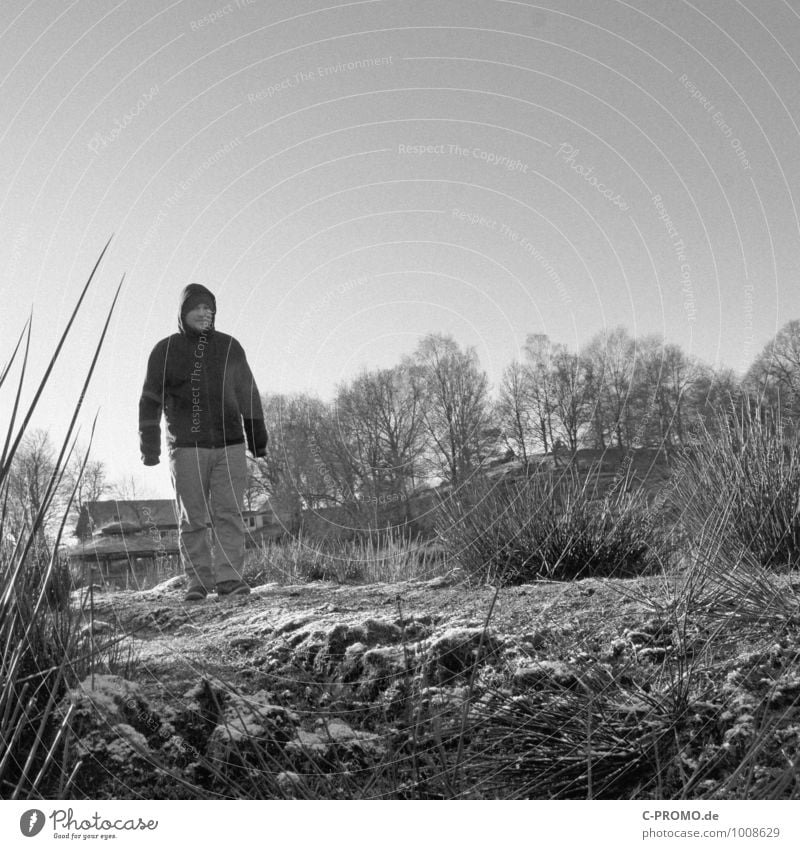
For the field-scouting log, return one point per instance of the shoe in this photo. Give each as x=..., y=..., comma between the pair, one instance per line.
x=196, y=593
x=232, y=588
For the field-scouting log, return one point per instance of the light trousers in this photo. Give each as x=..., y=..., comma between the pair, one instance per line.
x=210, y=483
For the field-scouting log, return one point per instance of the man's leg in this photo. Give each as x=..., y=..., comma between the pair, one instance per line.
x=189, y=468
x=228, y=482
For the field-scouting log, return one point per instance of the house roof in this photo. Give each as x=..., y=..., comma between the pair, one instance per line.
x=120, y=547
x=115, y=516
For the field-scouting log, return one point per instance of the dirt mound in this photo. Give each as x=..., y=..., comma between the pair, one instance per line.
x=304, y=691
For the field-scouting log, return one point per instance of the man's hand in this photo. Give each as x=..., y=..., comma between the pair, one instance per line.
x=150, y=461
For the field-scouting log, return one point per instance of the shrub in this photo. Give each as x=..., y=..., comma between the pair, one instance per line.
x=743, y=481
x=562, y=744
x=390, y=559
x=546, y=527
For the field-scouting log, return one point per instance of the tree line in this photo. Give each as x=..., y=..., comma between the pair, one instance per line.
x=431, y=419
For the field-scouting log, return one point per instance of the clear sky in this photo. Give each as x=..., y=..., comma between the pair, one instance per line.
x=347, y=177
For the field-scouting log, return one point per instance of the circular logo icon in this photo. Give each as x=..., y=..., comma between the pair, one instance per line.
x=31, y=822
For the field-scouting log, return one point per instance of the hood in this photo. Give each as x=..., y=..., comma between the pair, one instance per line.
x=190, y=296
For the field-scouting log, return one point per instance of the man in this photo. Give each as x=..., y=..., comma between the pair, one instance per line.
x=202, y=382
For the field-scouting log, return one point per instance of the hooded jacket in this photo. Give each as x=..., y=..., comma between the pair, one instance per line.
x=203, y=385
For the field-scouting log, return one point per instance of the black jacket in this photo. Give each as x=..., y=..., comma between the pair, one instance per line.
x=204, y=386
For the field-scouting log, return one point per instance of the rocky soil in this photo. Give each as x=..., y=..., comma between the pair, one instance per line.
x=326, y=690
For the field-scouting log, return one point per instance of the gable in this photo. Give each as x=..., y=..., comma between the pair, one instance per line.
x=126, y=516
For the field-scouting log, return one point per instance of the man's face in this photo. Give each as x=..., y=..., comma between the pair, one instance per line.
x=199, y=318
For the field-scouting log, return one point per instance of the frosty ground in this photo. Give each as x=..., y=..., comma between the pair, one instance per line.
x=597, y=688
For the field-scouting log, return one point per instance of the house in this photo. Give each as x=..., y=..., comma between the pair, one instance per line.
x=264, y=523
x=125, y=543
x=119, y=517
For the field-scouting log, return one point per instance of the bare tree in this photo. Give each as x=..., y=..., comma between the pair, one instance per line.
x=667, y=378
x=92, y=485
x=31, y=471
x=571, y=406
x=295, y=473
x=773, y=379
x=125, y=488
x=357, y=431
x=713, y=395
x=455, y=412
x=514, y=410
x=380, y=414
x=611, y=361
x=337, y=459
x=539, y=361
x=595, y=399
